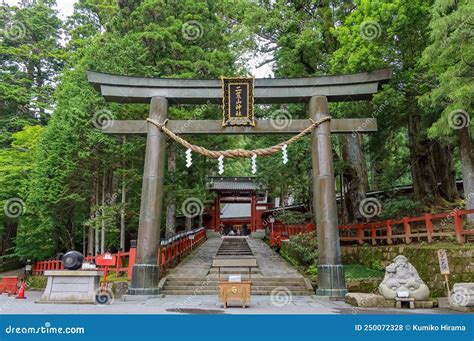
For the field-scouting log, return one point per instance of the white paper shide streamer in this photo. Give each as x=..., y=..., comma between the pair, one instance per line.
x=284, y=154
x=221, y=164
x=254, y=164
x=189, y=159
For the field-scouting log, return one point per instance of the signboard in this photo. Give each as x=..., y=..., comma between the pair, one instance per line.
x=106, y=259
x=443, y=262
x=237, y=101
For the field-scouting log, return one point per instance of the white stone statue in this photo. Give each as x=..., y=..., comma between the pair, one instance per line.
x=402, y=280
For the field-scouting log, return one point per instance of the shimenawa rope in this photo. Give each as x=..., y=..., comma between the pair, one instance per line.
x=234, y=153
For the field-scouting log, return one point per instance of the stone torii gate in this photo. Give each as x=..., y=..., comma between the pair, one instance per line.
x=317, y=91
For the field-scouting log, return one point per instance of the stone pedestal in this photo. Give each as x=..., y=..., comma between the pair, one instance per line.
x=71, y=286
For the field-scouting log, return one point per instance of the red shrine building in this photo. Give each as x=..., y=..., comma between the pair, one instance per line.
x=238, y=206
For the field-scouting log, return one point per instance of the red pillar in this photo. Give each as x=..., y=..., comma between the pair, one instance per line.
x=253, y=211
x=132, y=257
x=217, y=214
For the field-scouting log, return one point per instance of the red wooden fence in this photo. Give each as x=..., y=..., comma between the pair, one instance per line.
x=169, y=251
x=427, y=226
x=280, y=232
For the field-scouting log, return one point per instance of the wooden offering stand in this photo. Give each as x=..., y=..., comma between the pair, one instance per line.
x=234, y=291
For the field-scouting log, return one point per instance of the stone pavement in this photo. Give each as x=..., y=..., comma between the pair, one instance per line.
x=270, y=262
x=198, y=263
x=199, y=305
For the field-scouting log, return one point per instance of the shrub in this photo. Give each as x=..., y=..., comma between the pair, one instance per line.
x=304, y=247
x=397, y=208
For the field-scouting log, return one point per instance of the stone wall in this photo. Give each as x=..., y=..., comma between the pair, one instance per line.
x=423, y=257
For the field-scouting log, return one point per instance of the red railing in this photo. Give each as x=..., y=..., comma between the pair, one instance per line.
x=172, y=250
x=428, y=226
x=169, y=251
x=280, y=232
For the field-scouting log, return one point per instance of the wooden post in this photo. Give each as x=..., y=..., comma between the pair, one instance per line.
x=360, y=234
x=429, y=227
x=389, y=232
x=132, y=254
x=217, y=210
x=407, y=230
x=253, y=226
x=145, y=277
x=447, y=284
x=331, y=280
x=458, y=227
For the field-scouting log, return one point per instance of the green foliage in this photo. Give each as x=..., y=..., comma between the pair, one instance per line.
x=357, y=271
x=36, y=282
x=290, y=217
x=401, y=207
x=53, y=157
x=304, y=248
x=449, y=61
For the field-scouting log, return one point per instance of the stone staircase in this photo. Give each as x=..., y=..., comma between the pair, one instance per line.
x=234, y=247
x=185, y=283
x=260, y=286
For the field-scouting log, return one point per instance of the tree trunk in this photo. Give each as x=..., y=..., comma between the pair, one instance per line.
x=356, y=181
x=189, y=224
x=90, y=238
x=467, y=164
x=444, y=171
x=102, y=230
x=171, y=206
x=96, y=212
x=425, y=185
x=122, y=209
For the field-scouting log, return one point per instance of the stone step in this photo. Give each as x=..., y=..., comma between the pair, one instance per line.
x=214, y=287
x=286, y=280
x=233, y=271
x=214, y=292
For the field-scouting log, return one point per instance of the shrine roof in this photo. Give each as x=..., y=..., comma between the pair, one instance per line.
x=234, y=183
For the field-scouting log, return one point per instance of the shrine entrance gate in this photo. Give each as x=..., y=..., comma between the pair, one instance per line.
x=316, y=91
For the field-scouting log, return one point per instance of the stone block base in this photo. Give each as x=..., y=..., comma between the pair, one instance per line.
x=71, y=286
x=331, y=281
x=443, y=303
x=427, y=304
x=365, y=300
x=145, y=280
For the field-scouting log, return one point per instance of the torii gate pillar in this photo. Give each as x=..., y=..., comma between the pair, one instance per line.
x=145, y=276
x=331, y=280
